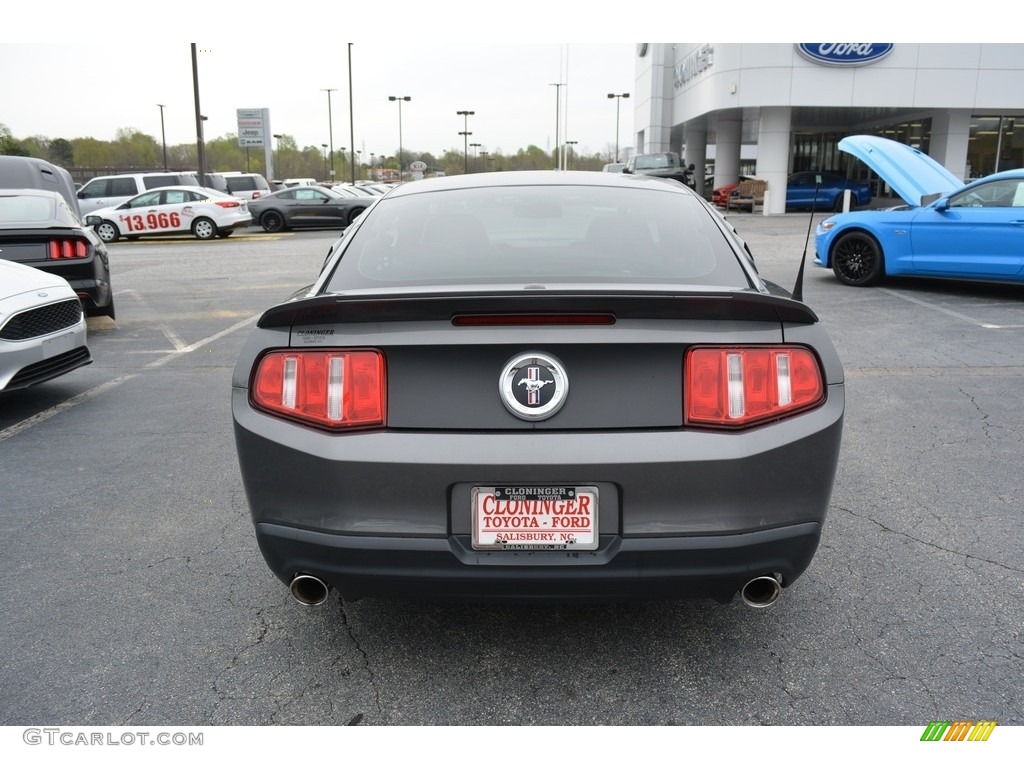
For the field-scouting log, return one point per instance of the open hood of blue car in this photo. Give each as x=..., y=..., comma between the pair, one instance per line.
x=910, y=172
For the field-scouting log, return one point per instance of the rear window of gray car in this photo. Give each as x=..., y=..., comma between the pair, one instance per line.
x=531, y=234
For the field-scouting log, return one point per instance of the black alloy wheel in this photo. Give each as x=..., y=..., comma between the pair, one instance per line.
x=272, y=221
x=857, y=259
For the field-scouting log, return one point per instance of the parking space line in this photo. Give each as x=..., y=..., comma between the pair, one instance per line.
x=165, y=329
x=945, y=311
x=106, y=386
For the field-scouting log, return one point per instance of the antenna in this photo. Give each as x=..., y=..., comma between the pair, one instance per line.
x=798, y=289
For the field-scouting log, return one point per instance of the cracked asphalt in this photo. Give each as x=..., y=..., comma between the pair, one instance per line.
x=134, y=593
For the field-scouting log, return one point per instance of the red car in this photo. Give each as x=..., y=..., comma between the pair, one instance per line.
x=720, y=195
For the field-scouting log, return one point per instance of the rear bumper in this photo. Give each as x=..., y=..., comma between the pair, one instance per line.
x=649, y=568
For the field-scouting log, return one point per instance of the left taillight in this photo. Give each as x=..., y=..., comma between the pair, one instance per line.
x=334, y=389
x=735, y=387
x=68, y=248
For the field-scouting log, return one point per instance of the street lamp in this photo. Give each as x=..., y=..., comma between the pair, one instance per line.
x=202, y=141
x=618, y=100
x=399, y=99
x=325, y=159
x=163, y=136
x=484, y=155
x=570, y=143
x=475, y=147
x=558, y=122
x=330, y=126
x=465, y=134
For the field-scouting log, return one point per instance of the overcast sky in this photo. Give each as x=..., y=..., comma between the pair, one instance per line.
x=70, y=69
x=506, y=85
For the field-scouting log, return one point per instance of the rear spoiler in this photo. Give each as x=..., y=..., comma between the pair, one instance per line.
x=728, y=305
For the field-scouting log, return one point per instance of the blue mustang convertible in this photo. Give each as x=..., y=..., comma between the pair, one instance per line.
x=946, y=230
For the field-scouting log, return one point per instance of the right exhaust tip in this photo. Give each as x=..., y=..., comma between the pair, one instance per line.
x=762, y=591
x=309, y=590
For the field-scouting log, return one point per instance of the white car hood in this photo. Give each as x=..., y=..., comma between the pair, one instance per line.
x=910, y=172
x=20, y=278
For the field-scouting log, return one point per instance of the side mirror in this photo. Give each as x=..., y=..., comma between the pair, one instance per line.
x=627, y=169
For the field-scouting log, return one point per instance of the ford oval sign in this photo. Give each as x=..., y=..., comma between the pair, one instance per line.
x=844, y=54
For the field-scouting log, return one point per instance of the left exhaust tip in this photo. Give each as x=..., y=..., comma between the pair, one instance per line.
x=309, y=590
x=762, y=591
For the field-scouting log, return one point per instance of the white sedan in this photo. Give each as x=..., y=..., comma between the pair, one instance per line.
x=42, y=327
x=206, y=213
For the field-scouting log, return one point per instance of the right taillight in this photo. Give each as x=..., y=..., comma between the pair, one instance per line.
x=742, y=386
x=68, y=248
x=329, y=388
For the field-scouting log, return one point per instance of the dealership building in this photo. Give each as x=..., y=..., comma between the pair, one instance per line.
x=772, y=109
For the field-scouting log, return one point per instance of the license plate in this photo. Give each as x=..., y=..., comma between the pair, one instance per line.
x=535, y=517
x=58, y=345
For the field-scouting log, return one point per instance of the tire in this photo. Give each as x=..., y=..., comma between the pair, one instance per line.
x=108, y=231
x=225, y=233
x=857, y=259
x=204, y=228
x=354, y=214
x=272, y=221
x=838, y=205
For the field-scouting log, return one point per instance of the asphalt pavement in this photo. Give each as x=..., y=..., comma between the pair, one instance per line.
x=134, y=593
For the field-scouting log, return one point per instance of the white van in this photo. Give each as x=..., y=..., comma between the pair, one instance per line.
x=300, y=182
x=248, y=186
x=108, y=191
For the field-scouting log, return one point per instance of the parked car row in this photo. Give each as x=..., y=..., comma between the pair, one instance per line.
x=820, y=190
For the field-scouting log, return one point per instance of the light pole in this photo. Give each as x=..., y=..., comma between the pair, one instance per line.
x=558, y=123
x=484, y=155
x=351, y=115
x=200, y=141
x=330, y=126
x=476, y=148
x=570, y=144
x=465, y=134
x=325, y=159
x=618, y=100
x=277, y=154
x=163, y=136
x=399, y=99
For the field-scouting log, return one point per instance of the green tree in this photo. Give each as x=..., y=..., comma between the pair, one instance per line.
x=8, y=144
x=138, y=150
x=62, y=153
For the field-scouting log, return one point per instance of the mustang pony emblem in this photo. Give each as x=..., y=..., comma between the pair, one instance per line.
x=529, y=371
x=532, y=385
